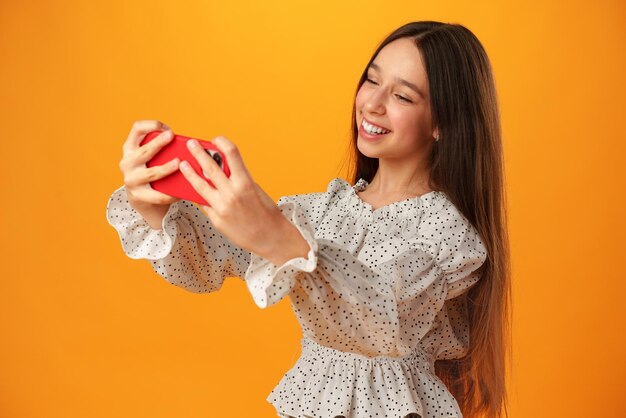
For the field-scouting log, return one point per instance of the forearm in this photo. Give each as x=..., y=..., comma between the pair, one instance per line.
x=285, y=243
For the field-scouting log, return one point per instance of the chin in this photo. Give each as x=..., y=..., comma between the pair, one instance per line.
x=365, y=152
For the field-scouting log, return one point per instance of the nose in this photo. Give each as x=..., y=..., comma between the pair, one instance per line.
x=375, y=102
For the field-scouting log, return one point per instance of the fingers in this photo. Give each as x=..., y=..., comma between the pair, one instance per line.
x=139, y=130
x=238, y=169
x=137, y=176
x=151, y=196
x=139, y=157
x=142, y=175
x=138, y=183
x=145, y=152
x=198, y=183
x=210, y=168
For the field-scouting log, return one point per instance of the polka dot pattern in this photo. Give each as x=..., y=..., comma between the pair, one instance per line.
x=187, y=251
x=380, y=295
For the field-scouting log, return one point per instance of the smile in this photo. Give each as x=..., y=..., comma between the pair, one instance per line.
x=373, y=129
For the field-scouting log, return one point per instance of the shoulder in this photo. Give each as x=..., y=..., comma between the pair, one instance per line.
x=335, y=188
x=442, y=219
x=450, y=237
x=315, y=204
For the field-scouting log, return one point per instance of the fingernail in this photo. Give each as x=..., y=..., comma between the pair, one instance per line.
x=184, y=165
x=192, y=143
x=175, y=162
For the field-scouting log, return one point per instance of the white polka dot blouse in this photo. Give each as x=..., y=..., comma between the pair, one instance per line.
x=380, y=296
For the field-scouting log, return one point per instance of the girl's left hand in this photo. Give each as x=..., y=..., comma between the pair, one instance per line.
x=239, y=208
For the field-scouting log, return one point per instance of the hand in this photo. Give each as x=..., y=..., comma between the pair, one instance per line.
x=238, y=207
x=137, y=176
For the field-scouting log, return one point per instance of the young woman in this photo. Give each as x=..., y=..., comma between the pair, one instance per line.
x=400, y=279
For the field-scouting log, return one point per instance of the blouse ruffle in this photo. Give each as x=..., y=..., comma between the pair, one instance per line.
x=329, y=383
x=186, y=251
x=410, y=208
x=139, y=240
x=269, y=283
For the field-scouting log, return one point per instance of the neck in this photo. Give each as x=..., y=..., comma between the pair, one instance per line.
x=392, y=179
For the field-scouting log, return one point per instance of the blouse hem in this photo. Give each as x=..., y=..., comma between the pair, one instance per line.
x=325, y=382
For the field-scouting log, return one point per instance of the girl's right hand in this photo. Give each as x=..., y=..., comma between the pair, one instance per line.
x=137, y=176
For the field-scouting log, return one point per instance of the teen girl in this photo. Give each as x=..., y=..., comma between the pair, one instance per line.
x=400, y=277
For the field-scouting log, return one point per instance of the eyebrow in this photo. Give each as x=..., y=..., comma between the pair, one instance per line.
x=403, y=82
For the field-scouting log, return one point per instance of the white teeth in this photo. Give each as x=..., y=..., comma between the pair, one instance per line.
x=373, y=129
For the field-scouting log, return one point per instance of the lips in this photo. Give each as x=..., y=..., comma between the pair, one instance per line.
x=371, y=137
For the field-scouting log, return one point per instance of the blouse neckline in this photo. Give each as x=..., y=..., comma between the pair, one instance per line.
x=412, y=206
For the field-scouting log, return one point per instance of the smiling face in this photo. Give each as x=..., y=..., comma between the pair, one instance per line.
x=395, y=97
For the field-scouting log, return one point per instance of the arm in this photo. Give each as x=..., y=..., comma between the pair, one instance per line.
x=186, y=251
x=153, y=214
x=288, y=244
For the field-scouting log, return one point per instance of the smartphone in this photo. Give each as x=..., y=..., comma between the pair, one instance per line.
x=176, y=184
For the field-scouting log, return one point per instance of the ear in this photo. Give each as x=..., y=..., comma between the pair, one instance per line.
x=436, y=133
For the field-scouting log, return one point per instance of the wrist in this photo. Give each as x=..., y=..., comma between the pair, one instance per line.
x=153, y=214
x=286, y=243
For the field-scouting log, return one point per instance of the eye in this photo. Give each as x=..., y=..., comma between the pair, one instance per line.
x=403, y=98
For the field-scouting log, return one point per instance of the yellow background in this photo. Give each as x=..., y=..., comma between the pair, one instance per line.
x=87, y=332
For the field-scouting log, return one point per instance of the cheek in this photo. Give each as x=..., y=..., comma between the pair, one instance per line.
x=402, y=120
x=360, y=98
x=408, y=125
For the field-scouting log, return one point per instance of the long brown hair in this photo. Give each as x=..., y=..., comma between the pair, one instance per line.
x=467, y=165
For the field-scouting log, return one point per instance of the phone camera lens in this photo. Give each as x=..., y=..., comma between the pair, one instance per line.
x=218, y=158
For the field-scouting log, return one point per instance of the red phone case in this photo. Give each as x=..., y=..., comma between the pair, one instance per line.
x=176, y=184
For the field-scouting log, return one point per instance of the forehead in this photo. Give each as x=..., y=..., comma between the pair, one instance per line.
x=401, y=59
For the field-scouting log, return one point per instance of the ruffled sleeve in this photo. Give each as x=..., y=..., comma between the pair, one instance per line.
x=187, y=251
x=269, y=283
x=460, y=250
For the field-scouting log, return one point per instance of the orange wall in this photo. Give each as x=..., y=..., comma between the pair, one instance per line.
x=87, y=332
